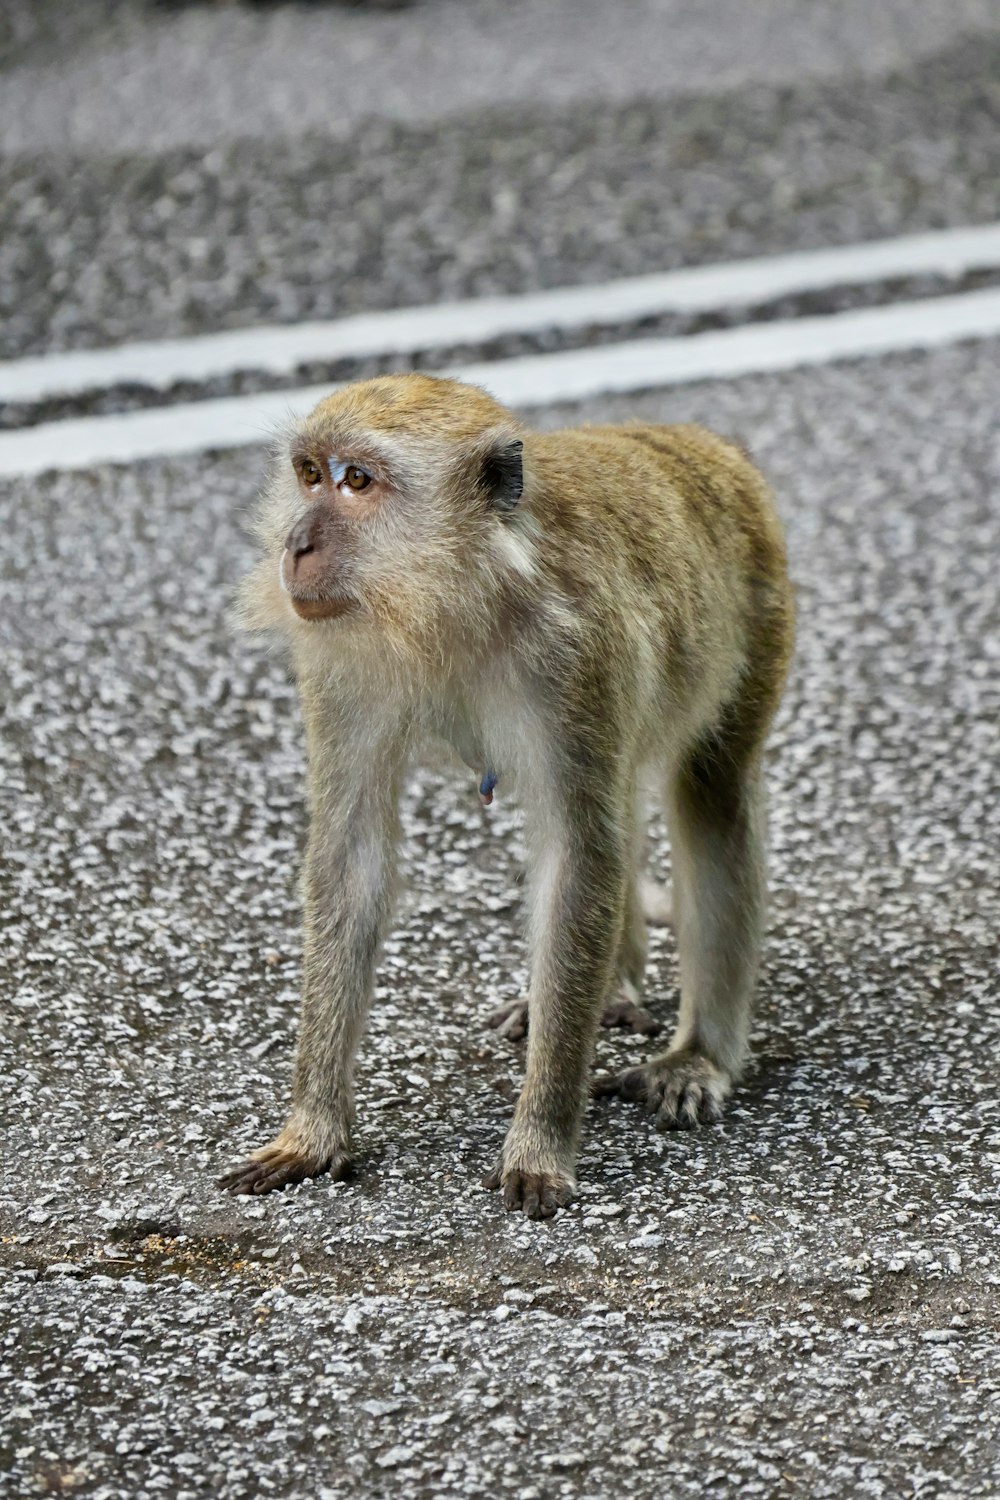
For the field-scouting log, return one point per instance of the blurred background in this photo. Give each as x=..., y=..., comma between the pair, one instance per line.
x=175, y=168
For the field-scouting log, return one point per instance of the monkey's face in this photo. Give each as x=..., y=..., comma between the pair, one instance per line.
x=322, y=563
x=393, y=492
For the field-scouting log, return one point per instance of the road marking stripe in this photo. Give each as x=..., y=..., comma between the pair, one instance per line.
x=280, y=351
x=534, y=380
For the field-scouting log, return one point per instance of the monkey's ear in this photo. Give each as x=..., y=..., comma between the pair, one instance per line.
x=502, y=474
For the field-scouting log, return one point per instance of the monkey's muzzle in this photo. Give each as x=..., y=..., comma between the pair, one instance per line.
x=306, y=568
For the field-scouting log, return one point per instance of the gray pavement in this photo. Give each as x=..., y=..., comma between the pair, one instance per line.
x=804, y=1299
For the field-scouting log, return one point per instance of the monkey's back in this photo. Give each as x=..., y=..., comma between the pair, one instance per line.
x=673, y=526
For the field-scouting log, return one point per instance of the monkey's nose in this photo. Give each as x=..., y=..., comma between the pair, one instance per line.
x=303, y=536
x=305, y=560
x=303, y=540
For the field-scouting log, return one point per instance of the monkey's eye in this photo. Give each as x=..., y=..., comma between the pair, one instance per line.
x=312, y=474
x=355, y=478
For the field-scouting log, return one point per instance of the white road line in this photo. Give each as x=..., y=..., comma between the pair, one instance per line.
x=280, y=351
x=535, y=380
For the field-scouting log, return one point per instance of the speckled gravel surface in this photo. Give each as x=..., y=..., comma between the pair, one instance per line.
x=95, y=249
x=803, y=1299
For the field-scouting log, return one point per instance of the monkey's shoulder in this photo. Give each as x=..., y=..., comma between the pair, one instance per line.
x=685, y=476
x=677, y=449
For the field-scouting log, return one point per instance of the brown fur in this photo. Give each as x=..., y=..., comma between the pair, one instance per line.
x=628, y=615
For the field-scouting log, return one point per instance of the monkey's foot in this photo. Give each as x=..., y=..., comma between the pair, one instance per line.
x=680, y=1088
x=538, y=1195
x=625, y=1011
x=278, y=1165
x=511, y=1020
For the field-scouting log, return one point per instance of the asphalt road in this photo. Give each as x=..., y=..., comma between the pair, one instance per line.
x=804, y=1299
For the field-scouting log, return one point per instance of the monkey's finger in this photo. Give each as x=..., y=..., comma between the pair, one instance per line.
x=686, y=1104
x=521, y=1192
x=637, y=1086
x=537, y=1196
x=230, y=1182
x=604, y=1085
x=512, y=1192
x=283, y=1173
x=257, y=1160
x=241, y=1178
x=552, y=1198
x=667, y=1107
x=711, y=1108
x=531, y=1199
x=699, y=1106
x=630, y=1017
x=492, y=1180
x=631, y=1084
x=690, y=1104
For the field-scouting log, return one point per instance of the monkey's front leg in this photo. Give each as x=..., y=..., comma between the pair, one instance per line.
x=578, y=901
x=350, y=866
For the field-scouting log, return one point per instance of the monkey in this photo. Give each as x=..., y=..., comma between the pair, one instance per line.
x=580, y=614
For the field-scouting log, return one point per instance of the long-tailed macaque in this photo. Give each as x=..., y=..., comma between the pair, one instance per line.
x=577, y=612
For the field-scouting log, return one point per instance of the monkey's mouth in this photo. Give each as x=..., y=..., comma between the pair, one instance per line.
x=320, y=609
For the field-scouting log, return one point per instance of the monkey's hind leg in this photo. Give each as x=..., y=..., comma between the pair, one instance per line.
x=623, y=1009
x=716, y=816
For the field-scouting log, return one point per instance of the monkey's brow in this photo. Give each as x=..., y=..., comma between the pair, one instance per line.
x=344, y=454
x=339, y=467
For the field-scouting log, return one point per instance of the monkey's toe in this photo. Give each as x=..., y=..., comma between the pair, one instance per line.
x=624, y=1012
x=276, y=1167
x=538, y=1195
x=680, y=1089
x=510, y=1020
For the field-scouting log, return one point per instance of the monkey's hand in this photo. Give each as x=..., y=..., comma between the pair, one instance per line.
x=681, y=1088
x=536, y=1177
x=284, y=1161
x=538, y=1195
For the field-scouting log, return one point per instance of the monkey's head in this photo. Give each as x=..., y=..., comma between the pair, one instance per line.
x=390, y=508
